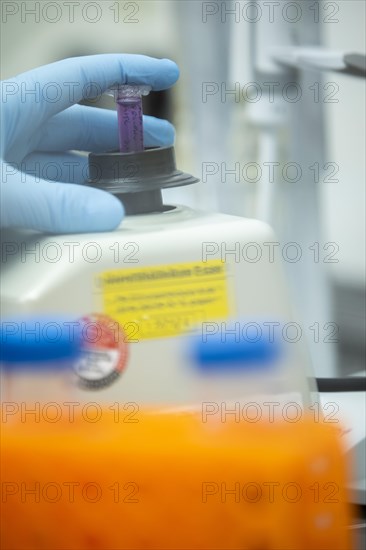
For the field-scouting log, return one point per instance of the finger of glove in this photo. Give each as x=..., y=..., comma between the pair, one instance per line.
x=84, y=128
x=57, y=207
x=68, y=167
x=31, y=98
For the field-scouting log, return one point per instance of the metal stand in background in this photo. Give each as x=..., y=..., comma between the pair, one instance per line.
x=295, y=206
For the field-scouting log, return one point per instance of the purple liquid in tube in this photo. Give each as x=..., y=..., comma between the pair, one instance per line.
x=130, y=127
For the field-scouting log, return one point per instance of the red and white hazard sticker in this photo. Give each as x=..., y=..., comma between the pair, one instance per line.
x=104, y=351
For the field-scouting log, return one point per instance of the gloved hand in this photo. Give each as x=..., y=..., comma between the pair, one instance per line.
x=42, y=129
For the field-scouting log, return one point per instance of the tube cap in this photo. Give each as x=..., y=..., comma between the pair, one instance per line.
x=121, y=91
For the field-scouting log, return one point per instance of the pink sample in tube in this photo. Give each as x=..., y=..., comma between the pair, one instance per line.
x=129, y=109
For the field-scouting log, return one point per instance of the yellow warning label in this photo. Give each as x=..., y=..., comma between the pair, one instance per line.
x=165, y=300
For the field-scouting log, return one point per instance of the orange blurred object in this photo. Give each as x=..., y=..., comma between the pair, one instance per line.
x=169, y=481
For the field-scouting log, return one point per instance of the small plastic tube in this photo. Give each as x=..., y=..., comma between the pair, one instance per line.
x=130, y=121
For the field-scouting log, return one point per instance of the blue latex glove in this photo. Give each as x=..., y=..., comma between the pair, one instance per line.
x=42, y=129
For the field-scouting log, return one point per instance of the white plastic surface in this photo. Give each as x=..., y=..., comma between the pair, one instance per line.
x=156, y=369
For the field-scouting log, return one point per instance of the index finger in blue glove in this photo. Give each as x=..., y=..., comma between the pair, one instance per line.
x=47, y=90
